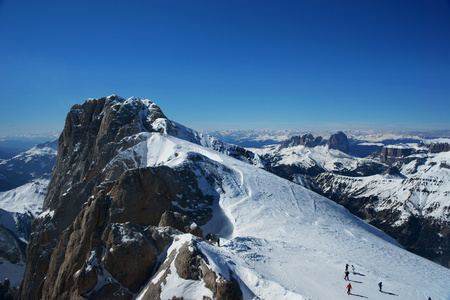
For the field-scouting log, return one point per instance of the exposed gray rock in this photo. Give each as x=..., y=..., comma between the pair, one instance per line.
x=338, y=141
x=191, y=264
x=180, y=222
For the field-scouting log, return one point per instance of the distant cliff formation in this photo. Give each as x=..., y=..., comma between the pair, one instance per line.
x=393, y=153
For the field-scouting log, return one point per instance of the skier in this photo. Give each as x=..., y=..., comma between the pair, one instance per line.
x=353, y=269
x=346, y=267
x=346, y=275
x=380, y=285
x=349, y=287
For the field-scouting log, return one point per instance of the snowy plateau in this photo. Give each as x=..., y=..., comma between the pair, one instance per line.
x=278, y=239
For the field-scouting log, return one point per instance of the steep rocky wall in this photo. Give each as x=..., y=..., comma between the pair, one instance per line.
x=93, y=134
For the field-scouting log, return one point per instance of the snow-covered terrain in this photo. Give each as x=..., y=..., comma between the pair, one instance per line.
x=282, y=241
x=329, y=160
x=424, y=190
x=278, y=240
x=18, y=208
x=317, y=160
x=20, y=205
x=26, y=198
x=27, y=165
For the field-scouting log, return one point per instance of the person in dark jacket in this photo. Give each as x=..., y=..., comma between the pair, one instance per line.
x=380, y=285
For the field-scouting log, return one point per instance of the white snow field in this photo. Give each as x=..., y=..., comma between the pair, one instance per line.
x=282, y=241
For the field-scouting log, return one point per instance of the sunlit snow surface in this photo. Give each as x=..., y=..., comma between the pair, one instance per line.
x=25, y=198
x=283, y=241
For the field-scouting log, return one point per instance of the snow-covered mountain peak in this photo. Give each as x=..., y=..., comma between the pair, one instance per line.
x=131, y=185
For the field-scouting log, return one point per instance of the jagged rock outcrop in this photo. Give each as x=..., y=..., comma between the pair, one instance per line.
x=307, y=140
x=180, y=222
x=393, y=170
x=338, y=141
x=186, y=261
x=98, y=236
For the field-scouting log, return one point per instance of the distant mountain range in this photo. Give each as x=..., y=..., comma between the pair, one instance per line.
x=259, y=138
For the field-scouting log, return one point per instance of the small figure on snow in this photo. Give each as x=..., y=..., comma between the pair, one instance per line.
x=346, y=275
x=346, y=267
x=353, y=269
x=380, y=285
x=218, y=241
x=349, y=287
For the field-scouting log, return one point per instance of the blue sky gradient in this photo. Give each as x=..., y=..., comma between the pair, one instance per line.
x=303, y=65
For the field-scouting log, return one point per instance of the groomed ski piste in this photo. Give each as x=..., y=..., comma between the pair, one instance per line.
x=282, y=241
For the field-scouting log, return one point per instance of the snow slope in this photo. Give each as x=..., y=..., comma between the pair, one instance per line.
x=282, y=241
x=26, y=198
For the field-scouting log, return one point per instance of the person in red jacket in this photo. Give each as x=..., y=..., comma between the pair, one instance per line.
x=349, y=287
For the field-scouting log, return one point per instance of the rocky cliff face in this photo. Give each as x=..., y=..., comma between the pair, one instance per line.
x=339, y=141
x=393, y=154
x=101, y=233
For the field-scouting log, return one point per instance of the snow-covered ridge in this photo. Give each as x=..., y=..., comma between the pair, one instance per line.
x=284, y=242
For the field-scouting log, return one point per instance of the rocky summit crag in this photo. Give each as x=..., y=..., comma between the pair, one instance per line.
x=108, y=215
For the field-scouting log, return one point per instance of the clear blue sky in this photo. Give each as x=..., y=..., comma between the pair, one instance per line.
x=308, y=64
